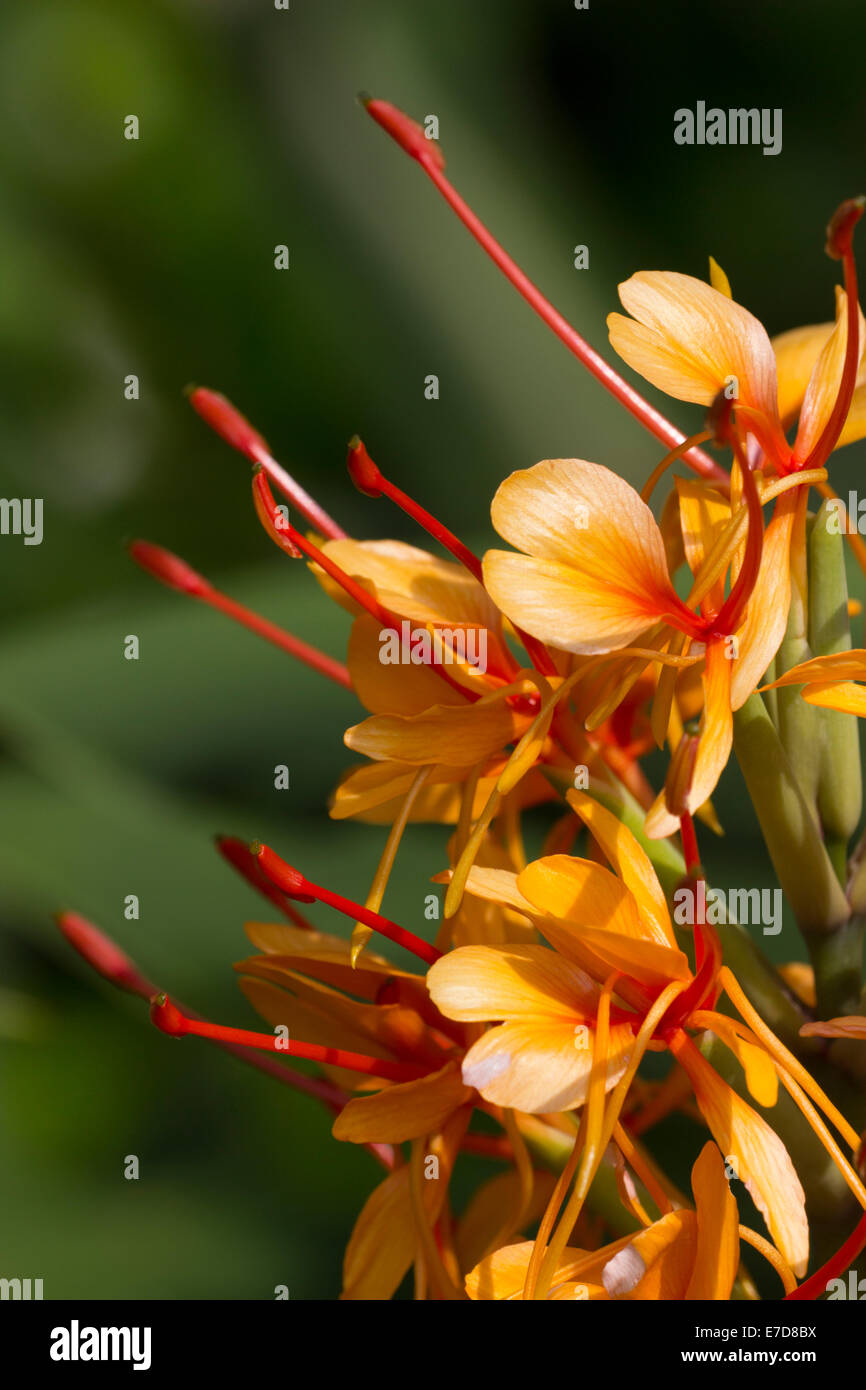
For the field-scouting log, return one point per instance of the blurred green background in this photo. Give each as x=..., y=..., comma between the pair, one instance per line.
x=155, y=257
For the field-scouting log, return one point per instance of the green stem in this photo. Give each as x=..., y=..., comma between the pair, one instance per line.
x=837, y=959
x=788, y=824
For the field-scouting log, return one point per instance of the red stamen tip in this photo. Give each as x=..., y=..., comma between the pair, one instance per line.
x=289, y=880
x=408, y=134
x=365, y=474
x=228, y=423
x=841, y=227
x=167, y=1016
x=102, y=955
x=168, y=568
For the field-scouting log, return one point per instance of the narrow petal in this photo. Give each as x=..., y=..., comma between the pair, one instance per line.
x=406, y=1111
x=718, y=1249
x=767, y=614
x=762, y=1161
x=849, y=1027
x=797, y=351
x=714, y=747
x=823, y=389
x=456, y=734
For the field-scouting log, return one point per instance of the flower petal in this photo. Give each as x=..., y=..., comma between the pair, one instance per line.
x=718, y=1250
x=406, y=1111
x=541, y=1065
x=762, y=1161
x=690, y=340
x=630, y=861
x=460, y=735
x=594, y=576
x=485, y=983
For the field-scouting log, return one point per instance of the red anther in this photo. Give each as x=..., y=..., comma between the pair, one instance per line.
x=840, y=229
x=168, y=1017
x=408, y=134
x=238, y=853
x=168, y=568
x=362, y=470
x=288, y=879
x=102, y=955
x=296, y=886
x=287, y=538
x=218, y=412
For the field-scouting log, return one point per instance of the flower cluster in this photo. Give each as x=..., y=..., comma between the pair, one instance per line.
x=523, y=1034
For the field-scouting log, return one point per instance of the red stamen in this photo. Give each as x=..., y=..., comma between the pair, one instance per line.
x=369, y=479
x=840, y=246
x=237, y=431
x=293, y=883
x=101, y=953
x=732, y=610
x=169, y=1019
x=108, y=960
x=406, y=133
x=283, y=534
x=178, y=575
x=237, y=853
x=690, y=843
x=835, y=1266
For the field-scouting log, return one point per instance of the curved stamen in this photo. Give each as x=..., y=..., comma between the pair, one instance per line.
x=836, y=1265
x=840, y=246
x=218, y=412
x=410, y=137
x=369, y=479
x=732, y=610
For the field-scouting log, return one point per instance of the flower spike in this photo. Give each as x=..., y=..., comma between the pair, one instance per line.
x=218, y=412
x=410, y=137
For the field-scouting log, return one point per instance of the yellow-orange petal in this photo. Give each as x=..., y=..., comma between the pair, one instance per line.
x=714, y=745
x=762, y=1161
x=690, y=340
x=460, y=735
x=577, y=890
x=823, y=389
x=541, y=1064
x=483, y=983
x=797, y=351
x=406, y=1111
x=767, y=614
x=411, y=582
x=657, y=1262
x=631, y=862
x=594, y=573
x=386, y=688
x=717, y=1256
